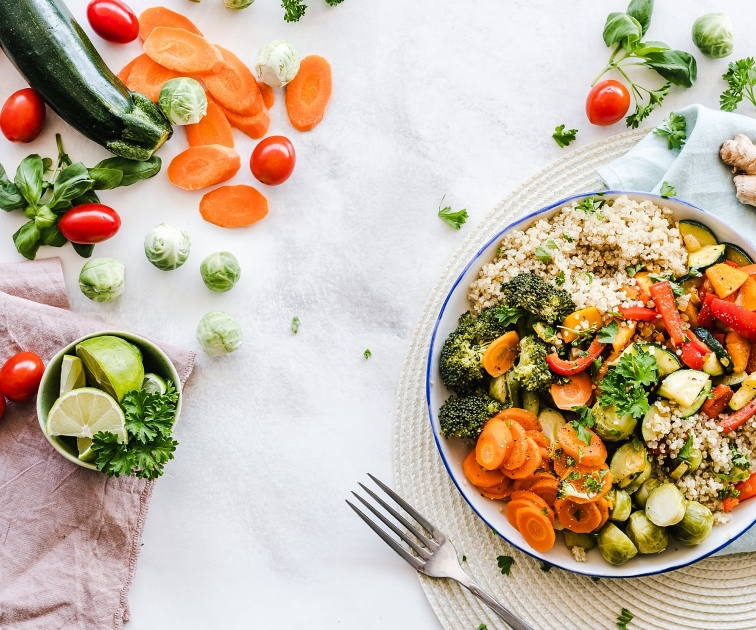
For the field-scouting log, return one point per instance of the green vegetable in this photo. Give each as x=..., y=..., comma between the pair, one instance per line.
x=551, y=421
x=531, y=293
x=464, y=416
x=167, y=247
x=741, y=78
x=149, y=445
x=625, y=382
x=615, y=547
x=277, y=63
x=585, y=541
x=641, y=495
x=695, y=526
x=455, y=219
x=103, y=279
x=183, y=101
x=293, y=10
x=564, y=138
x=611, y=425
x=712, y=34
x=674, y=130
x=665, y=505
x=585, y=420
x=532, y=372
x=608, y=333
x=667, y=190
x=219, y=333
x=624, y=618
x=647, y=537
x=56, y=58
x=505, y=564
x=295, y=325
x=220, y=271
x=627, y=463
x=367, y=354
x=238, y=4
x=620, y=504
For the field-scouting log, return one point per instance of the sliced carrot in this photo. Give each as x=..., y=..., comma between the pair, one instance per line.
x=125, y=72
x=267, y=93
x=235, y=87
x=183, y=51
x=531, y=464
x=148, y=77
x=603, y=507
x=535, y=528
x=580, y=518
x=501, y=353
x=526, y=419
x=593, y=481
x=575, y=392
x=519, y=451
x=234, y=206
x=479, y=476
x=153, y=17
x=539, y=438
x=523, y=484
x=213, y=128
x=547, y=489
x=593, y=454
x=308, y=95
x=199, y=167
x=253, y=126
x=562, y=462
x=498, y=492
x=494, y=443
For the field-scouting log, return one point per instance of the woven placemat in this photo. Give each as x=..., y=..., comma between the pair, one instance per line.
x=717, y=593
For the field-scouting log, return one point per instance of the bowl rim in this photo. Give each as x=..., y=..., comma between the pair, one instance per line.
x=429, y=367
x=58, y=357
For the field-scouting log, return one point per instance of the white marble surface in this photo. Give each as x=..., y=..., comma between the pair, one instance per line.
x=248, y=528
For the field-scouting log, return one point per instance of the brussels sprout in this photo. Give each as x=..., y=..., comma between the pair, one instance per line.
x=641, y=496
x=614, y=545
x=103, y=279
x=498, y=389
x=620, y=505
x=665, y=505
x=219, y=333
x=637, y=481
x=695, y=526
x=610, y=426
x=183, y=101
x=571, y=539
x=277, y=63
x=220, y=271
x=167, y=247
x=712, y=34
x=646, y=536
x=531, y=402
x=236, y=5
x=627, y=462
x=551, y=421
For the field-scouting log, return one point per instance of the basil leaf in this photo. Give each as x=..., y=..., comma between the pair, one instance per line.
x=641, y=10
x=88, y=197
x=643, y=48
x=29, y=179
x=45, y=218
x=133, y=171
x=53, y=237
x=10, y=197
x=47, y=164
x=676, y=66
x=85, y=251
x=27, y=239
x=620, y=27
x=105, y=178
x=72, y=182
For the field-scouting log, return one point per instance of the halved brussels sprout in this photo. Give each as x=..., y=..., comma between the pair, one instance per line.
x=665, y=505
x=620, y=505
x=614, y=545
x=637, y=481
x=712, y=34
x=236, y=5
x=183, y=101
x=628, y=461
x=641, y=496
x=610, y=426
x=551, y=421
x=695, y=526
x=646, y=536
x=571, y=539
x=498, y=389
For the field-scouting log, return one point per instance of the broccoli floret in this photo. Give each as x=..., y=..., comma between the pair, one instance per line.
x=464, y=416
x=532, y=371
x=538, y=297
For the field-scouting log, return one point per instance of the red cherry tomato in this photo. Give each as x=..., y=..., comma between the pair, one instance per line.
x=23, y=116
x=273, y=160
x=89, y=223
x=113, y=20
x=20, y=376
x=607, y=102
x=2, y=406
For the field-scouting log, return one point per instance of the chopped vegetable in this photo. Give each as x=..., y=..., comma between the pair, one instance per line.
x=713, y=36
x=624, y=384
x=738, y=318
x=295, y=325
x=200, y=167
x=234, y=206
x=673, y=130
x=308, y=95
x=23, y=116
x=113, y=20
x=624, y=618
x=664, y=301
x=183, y=51
x=213, y=128
x=254, y=126
x=183, y=101
x=103, y=279
x=153, y=17
x=568, y=368
x=455, y=219
x=148, y=77
x=505, y=564
x=234, y=86
x=667, y=190
x=277, y=63
x=575, y=392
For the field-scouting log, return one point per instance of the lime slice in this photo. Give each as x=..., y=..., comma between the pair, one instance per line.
x=154, y=384
x=112, y=364
x=86, y=454
x=83, y=412
x=71, y=374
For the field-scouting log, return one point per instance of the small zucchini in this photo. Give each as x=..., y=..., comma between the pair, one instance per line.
x=667, y=360
x=686, y=412
x=722, y=355
x=732, y=380
x=735, y=254
x=706, y=257
x=745, y=394
x=702, y=234
x=684, y=386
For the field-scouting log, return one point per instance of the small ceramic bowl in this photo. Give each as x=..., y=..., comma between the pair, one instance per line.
x=155, y=361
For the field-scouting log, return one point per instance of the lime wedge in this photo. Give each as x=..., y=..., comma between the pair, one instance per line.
x=71, y=374
x=154, y=384
x=83, y=412
x=86, y=454
x=112, y=364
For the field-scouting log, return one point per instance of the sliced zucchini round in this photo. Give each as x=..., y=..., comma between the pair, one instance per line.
x=732, y=380
x=684, y=386
x=706, y=257
x=722, y=355
x=712, y=366
x=703, y=235
x=667, y=360
x=697, y=403
x=735, y=254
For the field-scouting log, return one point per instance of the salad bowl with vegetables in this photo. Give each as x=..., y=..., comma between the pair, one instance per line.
x=591, y=384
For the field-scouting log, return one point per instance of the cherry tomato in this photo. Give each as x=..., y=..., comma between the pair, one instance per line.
x=20, y=376
x=607, y=102
x=23, y=116
x=273, y=160
x=89, y=223
x=2, y=406
x=113, y=20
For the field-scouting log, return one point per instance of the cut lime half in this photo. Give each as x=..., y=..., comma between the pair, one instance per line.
x=154, y=384
x=71, y=374
x=81, y=413
x=86, y=454
x=111, y=364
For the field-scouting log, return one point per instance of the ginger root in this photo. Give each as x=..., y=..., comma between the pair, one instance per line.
x=740, y=153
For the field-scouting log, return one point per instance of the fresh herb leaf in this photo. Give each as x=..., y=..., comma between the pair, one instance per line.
x=741, y=78
x=676, y=66
x=655, y=98
x=543, y=254
x=564, y=138
x=133, y=171
x=482, y=627
x=677, y=289
x=85, y=251
x=559, y=280
x=567, y=238
x=674, y=130
x=739, y=459
x=596, y=366
x=595, y=579
x=585, y=420
x=633, y=269
x=333, y=3
x=641, y=10
x=367, y=354
x=608, y=333
x=621, y=28
x=294, y=10
x=508, y=315
x=624, y=618
x=27, y=239
x=729, y=491
x=552, y=245
x=105, y=178
x=464, y=558
x=590, y=205
x=72, y=182
x=625, y=382
x=505, y=564
x=637, y=444
x=10, y=197
x=667, y=190
x=29, y=179
x=455, y=219
x=685, y=450
x=295, y=325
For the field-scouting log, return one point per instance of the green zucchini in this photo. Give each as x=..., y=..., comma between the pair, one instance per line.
x=703, y=235
x=54, y=55
x=686, y=412
x=706, y=257
x=666, y=360
x=716, y=347
x=735, y=254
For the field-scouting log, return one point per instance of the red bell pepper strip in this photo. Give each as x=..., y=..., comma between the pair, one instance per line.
x=664, y=301
x=732, y=264
x=720, y=338
x=568, y=368
x=732, y=422
x=638, y=313
x=747, y=488
x=692, y=356
x=736, y=317
x=705, y=317
x=720, y=397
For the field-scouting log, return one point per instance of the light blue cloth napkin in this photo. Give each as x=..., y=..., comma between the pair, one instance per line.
x=700, y=177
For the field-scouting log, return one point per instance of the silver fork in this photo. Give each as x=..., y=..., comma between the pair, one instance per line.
x=436, y=556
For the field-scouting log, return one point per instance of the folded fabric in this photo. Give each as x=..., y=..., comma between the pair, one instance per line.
x=699, y=177
x=69, y=536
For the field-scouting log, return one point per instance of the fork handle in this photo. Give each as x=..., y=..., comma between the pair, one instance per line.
x=514, y=622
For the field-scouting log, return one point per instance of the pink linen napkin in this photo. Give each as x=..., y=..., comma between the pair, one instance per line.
x=69, y=536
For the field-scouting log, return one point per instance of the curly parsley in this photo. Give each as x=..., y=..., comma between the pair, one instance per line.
x=625, y=382
x=674, y=130
x=564, y=138
x=667, y=190
x=741, y=78
x=505, y=564
x=455, y=219
x=624, y=618
x=585, y=421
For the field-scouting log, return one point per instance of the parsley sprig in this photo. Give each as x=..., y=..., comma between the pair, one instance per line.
x=741, y=78
x=624, y=618
x=508, y=315
x=624, y=384
x=455, y=219
x=294, y=10
x=564, y=138
x=674, y=130
x=608, y=333
x=505, y=564
x=584, y=421
x=667, y=190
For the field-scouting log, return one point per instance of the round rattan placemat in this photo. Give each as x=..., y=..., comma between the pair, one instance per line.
x=716, y=593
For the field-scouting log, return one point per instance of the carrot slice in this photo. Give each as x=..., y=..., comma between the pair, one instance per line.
x=531, y=464
x=593, y=481
x=126, y=70
x=593, y=454
x=518, y=453
x=498, y=492
x=510, y=511
x=526, y=419
x=308, y=95
x=213, y=128
x=535, y=528
x=153, y=17
x=267, y=93
x=183, y=51
x=494, y=444
x=234, y=206
x=199, y=167
x=547, y=489
x=580, y=518
x=562, y=462
x=537, y=501
x=575, y=392
x=253, y=126
x=539, y=438
x=235, y=87
x=479, y=476
x=148, y=77
x=603, y=507
x=501, y=354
